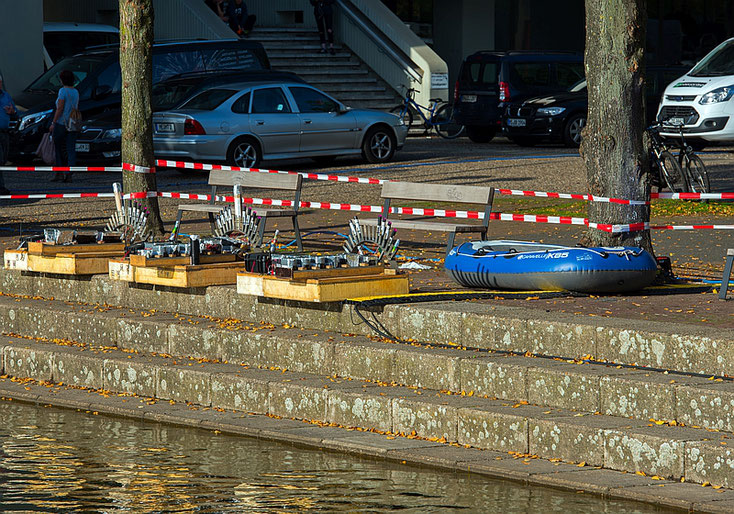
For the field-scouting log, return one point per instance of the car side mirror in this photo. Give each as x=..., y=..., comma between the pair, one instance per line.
x=101, y=92
x=342, y=109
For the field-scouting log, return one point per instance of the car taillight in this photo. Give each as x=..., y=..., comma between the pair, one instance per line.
x=193, y=128
x=456, y=92
x=504, y=92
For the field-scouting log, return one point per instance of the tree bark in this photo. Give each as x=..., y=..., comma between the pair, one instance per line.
x=136, y=62
x=612, y=145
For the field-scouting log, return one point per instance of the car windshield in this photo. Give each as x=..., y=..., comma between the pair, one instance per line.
x=209, y=100
x=578, y=86
x=80, y=66
x=717, y=63
x=167, y=95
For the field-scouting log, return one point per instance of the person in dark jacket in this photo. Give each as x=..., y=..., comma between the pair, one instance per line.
x=239, y=20
x=323, y=10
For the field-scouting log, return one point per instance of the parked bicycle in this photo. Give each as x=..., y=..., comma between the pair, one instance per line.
x=692, y=165
x=439, y=115
x=666, y=169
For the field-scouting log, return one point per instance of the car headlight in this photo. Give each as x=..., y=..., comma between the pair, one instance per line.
x=550, y=111
x=33, y=119
x=721, y=94
x=112, y=134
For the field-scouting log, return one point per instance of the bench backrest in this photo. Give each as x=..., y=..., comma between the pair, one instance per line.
x=255, y=180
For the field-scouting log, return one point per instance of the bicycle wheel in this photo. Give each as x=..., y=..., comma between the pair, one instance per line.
x=443, y=122
x=698, y=177
x=404, y=112
x=671, y=173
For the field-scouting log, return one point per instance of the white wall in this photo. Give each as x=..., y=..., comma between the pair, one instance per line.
x=21, y=40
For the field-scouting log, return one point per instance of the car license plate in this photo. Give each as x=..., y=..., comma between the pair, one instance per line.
x=82, y=147
x=469, y=99
x=675, y=121
x=515, y=122
x=164, y=128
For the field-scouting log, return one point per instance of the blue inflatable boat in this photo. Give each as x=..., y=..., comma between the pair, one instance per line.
x=534, y=266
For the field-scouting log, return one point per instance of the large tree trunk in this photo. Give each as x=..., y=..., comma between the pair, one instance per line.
x=612, y=146
x=136, y=61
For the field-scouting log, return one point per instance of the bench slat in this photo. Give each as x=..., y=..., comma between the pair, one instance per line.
x=250, y=179
x=428, y=225
x=437, y=192
x=201, y=207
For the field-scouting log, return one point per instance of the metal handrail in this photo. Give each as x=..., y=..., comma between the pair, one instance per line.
x=379, y=37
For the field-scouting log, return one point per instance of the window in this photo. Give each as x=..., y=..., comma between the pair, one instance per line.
x=531, y=73
x=231, y=59
x=269, y=100
x=81, y=66
x=569, y=73
x=62, y=44
x=167, y=95
x=478, y=73
x=111, y=77
x=170, y=64
x=209, y=100
x=242, y=104
x=309, y=100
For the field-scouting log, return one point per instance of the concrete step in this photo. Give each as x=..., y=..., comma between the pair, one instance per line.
x=263, y=37
x=353, y=88
x=617, y=443
x=273, y=47
x=316, y=63
x=288, y=54
x=342, y=73
x=328, y=81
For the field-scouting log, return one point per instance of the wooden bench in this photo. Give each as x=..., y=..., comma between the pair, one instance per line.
x=252, y=180
x=479, y=195
x=727, y=273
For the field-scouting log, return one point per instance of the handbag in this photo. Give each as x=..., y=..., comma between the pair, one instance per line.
x=46, y=150
x=74, y=123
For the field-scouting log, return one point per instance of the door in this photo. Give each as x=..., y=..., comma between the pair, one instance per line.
x=324, y=125
x=274, y=122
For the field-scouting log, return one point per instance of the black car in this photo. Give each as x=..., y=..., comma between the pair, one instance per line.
x=488, y=81
x=100, y=137
x=99, y=81
x=560, y=117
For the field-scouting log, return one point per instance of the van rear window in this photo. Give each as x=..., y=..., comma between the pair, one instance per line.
x=480, y=73
x=530, y=73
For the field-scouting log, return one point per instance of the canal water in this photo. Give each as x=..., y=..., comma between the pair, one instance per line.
x=54, y=460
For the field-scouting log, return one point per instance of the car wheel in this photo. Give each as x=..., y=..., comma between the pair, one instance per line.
x=244, y=152
x=480, y=134
x=523, y=141
x=379, y=145
x=572, y=130
x=324, y=160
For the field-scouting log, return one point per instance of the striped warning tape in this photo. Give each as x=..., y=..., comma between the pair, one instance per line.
x=72, y=169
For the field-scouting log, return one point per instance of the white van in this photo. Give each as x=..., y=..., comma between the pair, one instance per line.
x=701, y=100
x=65, y=39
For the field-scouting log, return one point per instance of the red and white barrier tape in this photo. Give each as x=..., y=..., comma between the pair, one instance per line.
x=693, y=196
x=571, y=196
x=61, y=168
x=137, y=169
x=55, y=195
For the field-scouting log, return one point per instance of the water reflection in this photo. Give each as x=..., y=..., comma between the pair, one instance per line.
x=52, y=460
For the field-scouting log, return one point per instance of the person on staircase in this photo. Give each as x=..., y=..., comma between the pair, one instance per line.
x=323, y=11
x=239, y=20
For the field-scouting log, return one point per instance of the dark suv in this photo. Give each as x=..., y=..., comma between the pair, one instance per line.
x=99, y=81
x=488, y=81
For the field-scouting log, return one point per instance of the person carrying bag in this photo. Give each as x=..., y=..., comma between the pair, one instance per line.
x=66, y=125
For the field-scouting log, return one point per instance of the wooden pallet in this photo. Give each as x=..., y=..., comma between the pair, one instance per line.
x=172, y=274
x=88, y=259
x=322, y=286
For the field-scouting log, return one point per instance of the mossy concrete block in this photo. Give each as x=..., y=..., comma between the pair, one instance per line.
x=360, y=408
x=17, y=282
x=144, y=334
x=308, y=354
x=639, y=395
x=184, y=384
x=36, y=362
x=428, y=416
x=388, y=315
x=192, y=340
x=708, y=405
x=656, y=450
x=240, y=392
x=710, y=461
x=325, y=316
x=83, y=369
x=110, y=292
x=478, y=329
x=431, y=323
x=363, y=359
x=559, y=384
x=63, y=287
x=301, y=399
x=137, y=376
x=511, y=334
x=431, y=368
x=562, y=339
x=493, y=428
x=244, y=347
x=495, y=376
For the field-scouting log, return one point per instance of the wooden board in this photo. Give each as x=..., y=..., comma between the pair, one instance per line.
x=184, y=276
x=39, y=248
x=121, y=269
x=71, y=263
x=161, y=262
x=16, y=259
x=331, y=289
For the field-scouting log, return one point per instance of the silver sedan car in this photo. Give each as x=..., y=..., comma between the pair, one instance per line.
x=249, y=122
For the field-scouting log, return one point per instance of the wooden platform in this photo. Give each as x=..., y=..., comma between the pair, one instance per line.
x=88, y=259
x=321, y=286
x=171, y=272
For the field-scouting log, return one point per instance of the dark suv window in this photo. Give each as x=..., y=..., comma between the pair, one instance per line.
x=480, y=73
x=569, y=73
x=230, y=59
x=169, y=64
x=530, y=73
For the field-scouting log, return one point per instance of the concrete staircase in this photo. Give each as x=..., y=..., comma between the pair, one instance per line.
x=342, y=75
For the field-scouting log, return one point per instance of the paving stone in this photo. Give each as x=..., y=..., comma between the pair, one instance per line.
x=561, y=339
x=431, y=415
x=136, y=375
x=431, y=323
x=478, y=329
x=559, y=384
x=244, y=346
x=144, y=334
x=639, y=394
x=656, y=450
x=369, y=407
x=181, y=384
x=304, y=355
x=199, y=341
x=711, y=461
x=82, y=369
x=427, y=367
x=445, y=456
x=374, y=444
x=493, y=428
x=248, y=392
x=29, y=361
x=521, y=469
x=679, y=495
x=302, y=399
x=709, y=404
x=510, y=334
x=363, y=359
x=595, y=480
x=495, y=376
x=574, y=438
